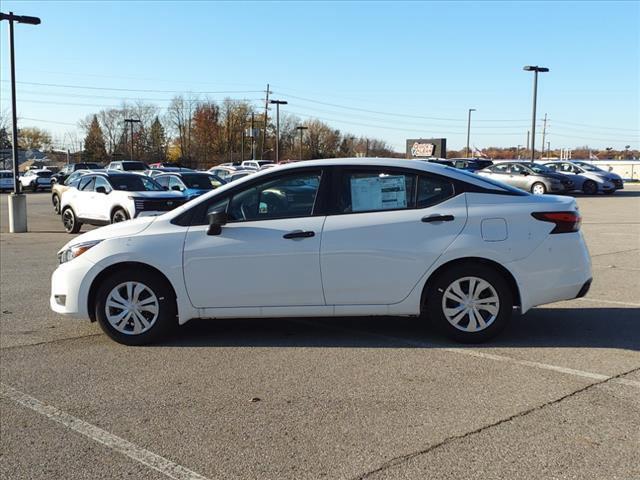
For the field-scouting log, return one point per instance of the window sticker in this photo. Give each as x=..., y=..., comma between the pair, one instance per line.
x=385, y=192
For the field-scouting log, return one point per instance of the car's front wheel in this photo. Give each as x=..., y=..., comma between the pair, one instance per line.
x=34, y=186
x=70, y=221
x=119, y=215
x=589, y=187
x=538, y=188
x=470, y=303
x=135, y=307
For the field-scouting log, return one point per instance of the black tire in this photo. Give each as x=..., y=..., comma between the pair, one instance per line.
x=34, y=187
x=434, y=306
x=70, y=221
x=539, y=185
x=589, y=187
x=55, y=200
x=164, y=323
x=119, y=215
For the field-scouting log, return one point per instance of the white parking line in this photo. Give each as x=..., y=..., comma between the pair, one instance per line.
x=612, y=302
x=488, y=356
x=139, y=454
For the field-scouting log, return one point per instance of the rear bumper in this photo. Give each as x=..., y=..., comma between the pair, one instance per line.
x=559, y=269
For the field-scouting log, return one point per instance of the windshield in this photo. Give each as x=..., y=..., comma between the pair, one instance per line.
x=539, y=168
x=85, y=166
x=200, y=181
x=134, y=183
x=588, y=167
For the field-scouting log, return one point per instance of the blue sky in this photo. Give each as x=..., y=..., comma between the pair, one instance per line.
x=418, y=66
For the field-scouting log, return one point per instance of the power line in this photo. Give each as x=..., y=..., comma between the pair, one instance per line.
x=86, y=87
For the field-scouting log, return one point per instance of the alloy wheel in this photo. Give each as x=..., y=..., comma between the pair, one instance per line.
x=68, y=219
x=132, y=308
x=470, y=304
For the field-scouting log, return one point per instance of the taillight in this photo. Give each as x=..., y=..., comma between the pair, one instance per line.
x=565, y=222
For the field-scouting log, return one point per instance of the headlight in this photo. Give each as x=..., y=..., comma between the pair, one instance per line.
x=75, y=251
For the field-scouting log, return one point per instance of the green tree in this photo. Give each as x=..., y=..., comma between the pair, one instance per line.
x=94, y=145
x=157, y=141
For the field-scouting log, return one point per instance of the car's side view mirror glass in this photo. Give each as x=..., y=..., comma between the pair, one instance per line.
x=216, y=221
x=524, y=173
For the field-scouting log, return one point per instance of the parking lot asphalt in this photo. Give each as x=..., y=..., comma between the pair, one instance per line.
x=557, y=395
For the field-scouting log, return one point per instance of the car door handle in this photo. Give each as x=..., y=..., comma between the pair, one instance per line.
x=438, y=218
x=298, y=234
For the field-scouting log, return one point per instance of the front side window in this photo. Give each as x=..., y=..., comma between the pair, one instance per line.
x=283, y=197
x=175, y=184
x=102, y=182
x=86, y=184
x=375, y=190
x=500, y=168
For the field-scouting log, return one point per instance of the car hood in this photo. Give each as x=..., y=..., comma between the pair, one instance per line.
x=608, y=175
x=121, y=229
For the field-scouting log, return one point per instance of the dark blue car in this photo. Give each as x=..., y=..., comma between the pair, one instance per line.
x=191, y=184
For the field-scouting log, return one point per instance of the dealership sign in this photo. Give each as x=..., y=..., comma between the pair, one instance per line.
x=426, y=147
x=422, y=149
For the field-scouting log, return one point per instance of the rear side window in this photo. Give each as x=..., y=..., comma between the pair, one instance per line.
x=433, y=190
x=375, y=190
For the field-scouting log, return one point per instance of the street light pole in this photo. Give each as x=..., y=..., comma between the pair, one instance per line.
x=301, y=129
x=518, y=152
x=469, y=129
x=277, y=103
x=131, y=121
x=536, y=69
x=17, y=201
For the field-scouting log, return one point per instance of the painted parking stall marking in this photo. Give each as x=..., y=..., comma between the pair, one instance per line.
x=139, y=454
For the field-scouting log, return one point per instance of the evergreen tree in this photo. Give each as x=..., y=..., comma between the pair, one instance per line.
x=157, y=141
x=94, y=145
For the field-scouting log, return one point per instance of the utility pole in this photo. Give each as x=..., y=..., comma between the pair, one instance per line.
x=544, y=133
x=518, y=152
x=253, y=139
x=548, y=149
x=528, y=139
x=367, y=148
x=131, y=121
x=277, y=103
x=266, y=119
x=301, y=129
x=469, y=129
x=536, y=69
x=17, y=200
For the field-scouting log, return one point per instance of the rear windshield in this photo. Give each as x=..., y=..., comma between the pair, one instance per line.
x=46, y=174
x=502, y=186
x=134, y=183
x=202, y=182
x=86, y=166
x=134, y=166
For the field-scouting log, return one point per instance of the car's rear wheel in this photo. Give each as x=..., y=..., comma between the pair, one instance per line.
x=135, y=307
x=70, y=221
x=119, y=215
x=538, y=188
x=470, y=303
x=589, y=187
x=34, y=186
x=55, y=199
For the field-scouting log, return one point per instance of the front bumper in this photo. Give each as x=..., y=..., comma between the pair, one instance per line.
x=70, y=284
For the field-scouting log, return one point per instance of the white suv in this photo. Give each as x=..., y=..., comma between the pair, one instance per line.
x=111, y=197
x=255, y=164
x=35, y=179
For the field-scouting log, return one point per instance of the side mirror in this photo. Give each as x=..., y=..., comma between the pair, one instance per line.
x=176, y=188
x=216, y=221
x=524, y=172
x=101, y=189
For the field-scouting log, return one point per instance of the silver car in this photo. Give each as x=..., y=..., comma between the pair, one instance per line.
x=528, y=176
x=588, y=178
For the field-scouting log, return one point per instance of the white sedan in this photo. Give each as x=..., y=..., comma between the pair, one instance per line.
x=331, y=238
